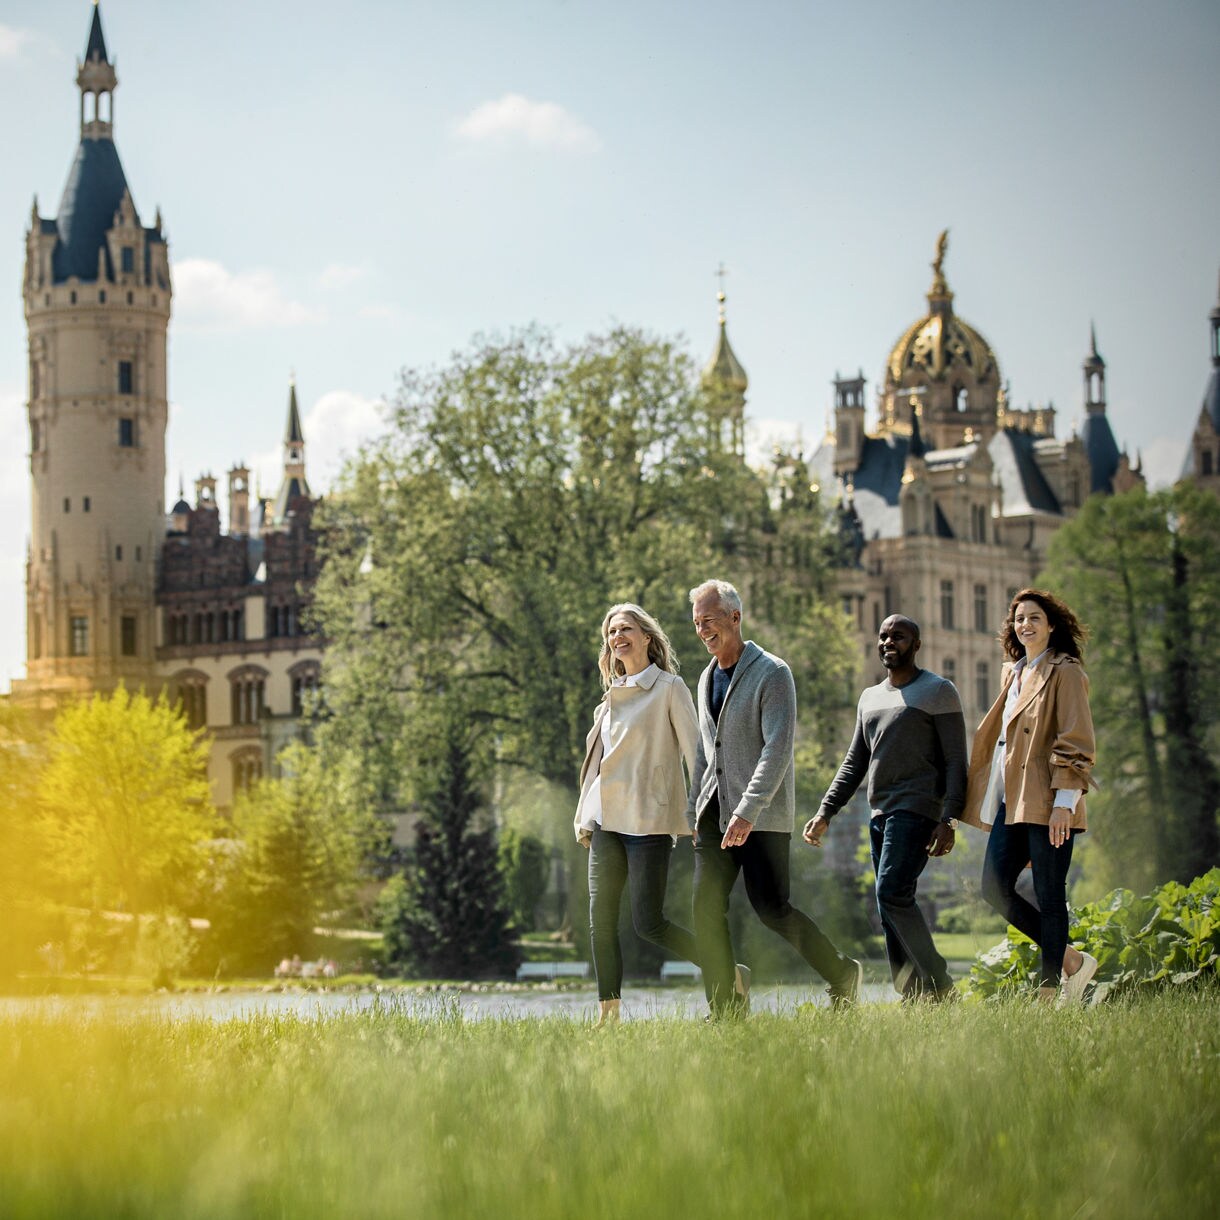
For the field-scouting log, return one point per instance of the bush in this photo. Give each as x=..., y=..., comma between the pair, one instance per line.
x=1169, y=938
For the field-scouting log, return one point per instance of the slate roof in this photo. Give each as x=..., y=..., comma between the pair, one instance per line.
x=877, y=482
x=1102, y=451
x=95, y=188
x=96, y=47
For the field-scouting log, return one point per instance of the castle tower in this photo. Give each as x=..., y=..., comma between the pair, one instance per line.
x=293, y=483
x=1203, y=457
x=725, y=383
x=97, y=297
x=849, y=423
x=1099, y=444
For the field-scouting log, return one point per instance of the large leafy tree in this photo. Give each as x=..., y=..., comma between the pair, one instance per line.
x=126, y=804
x=1143, y=570
x=473, y=552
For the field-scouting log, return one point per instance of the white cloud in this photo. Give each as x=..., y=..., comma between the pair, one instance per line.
x=207, y=296
x=543, y=124
x=1162, y=458
x=337, y=424
x=12, y=40
x=763, y=435
x=385, y=311
x=340, y=275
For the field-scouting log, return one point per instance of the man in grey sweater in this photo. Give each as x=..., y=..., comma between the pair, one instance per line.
x=910, y=742
x=742, y=803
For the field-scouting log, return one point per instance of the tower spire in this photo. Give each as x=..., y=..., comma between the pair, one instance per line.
x=96, y=79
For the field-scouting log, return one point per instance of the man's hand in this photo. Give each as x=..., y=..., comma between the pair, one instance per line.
x=943, y=838
x=815, y=828
x=737, y=833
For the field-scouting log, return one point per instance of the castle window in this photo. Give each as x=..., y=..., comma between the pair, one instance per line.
x=131, y=296
x=127, y=433
x=35, y=436
x=101, y=296
x=980, y=608
x=127, y=379
x=127, y=635
x=127, y=259
x=72, y=297
x=978, y=523
x=982, y=685
x=1206, y=455
x=305, y=682
x=946, y=604
x=137, y=554
x=949, y=670
x=192, y=692
x=961, y=399
x=118, y=554
x=85, y=504
x=247, y=769
x=67, y=505
x=247, y=689
x=78, y=645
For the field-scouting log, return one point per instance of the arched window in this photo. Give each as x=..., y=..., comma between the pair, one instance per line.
x=306, y=677
x=247, y=767
x=247, y=688
x=190, y=689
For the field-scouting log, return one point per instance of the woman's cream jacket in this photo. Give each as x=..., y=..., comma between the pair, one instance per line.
x=653, y=731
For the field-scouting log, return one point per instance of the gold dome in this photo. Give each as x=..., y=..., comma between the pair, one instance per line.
x=941, y=344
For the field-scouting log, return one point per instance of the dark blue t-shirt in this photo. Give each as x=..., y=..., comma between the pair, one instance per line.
x=720, y=687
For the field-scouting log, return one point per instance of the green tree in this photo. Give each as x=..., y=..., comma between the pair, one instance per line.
x=525, y=863
x=447, y=916
x=125, y=804
x=519, y=492
x=1143, y=570
x=295, y=860
x=22, y=894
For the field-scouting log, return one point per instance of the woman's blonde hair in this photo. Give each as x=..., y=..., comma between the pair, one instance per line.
x=660, y=651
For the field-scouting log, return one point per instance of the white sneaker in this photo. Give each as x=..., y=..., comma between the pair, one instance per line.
x=1072, y=991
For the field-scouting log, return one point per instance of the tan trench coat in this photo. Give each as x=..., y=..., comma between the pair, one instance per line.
x=1049, y=745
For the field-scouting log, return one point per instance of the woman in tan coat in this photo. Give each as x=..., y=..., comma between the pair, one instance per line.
x=633, y=792
x=1030, y=765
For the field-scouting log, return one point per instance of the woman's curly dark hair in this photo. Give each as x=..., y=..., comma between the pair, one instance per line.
x=1068, y=634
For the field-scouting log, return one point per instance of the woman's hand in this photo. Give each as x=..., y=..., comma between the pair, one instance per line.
x=1061, y=826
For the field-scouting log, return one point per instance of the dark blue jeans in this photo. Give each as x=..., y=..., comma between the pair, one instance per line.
x=1009, y=849
x=642, y=860
x=763, y=860
x=900, y=851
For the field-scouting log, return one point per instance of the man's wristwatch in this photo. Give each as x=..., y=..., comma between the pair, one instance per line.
x=950, y=822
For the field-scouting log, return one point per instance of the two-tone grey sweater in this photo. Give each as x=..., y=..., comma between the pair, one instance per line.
x=910, y=741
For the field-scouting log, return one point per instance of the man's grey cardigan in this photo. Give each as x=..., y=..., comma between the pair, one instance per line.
x=750, y=746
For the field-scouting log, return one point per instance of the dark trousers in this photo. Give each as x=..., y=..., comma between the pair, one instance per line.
x=1009, y=849
x=763, y=860
x=643, y=861
x=900, y=852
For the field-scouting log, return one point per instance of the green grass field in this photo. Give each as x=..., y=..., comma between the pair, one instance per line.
x=971, y=1111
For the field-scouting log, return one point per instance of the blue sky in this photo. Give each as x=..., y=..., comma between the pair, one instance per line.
x=353, y=188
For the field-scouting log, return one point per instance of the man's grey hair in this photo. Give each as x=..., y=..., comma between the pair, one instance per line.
x=726, y=594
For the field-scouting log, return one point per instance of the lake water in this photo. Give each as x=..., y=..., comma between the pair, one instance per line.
x=577, y=1004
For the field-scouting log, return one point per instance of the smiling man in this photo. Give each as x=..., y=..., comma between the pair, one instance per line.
x=743, y=801
x=910, y=742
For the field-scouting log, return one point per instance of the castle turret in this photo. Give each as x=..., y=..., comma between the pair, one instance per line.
x=97, y=293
